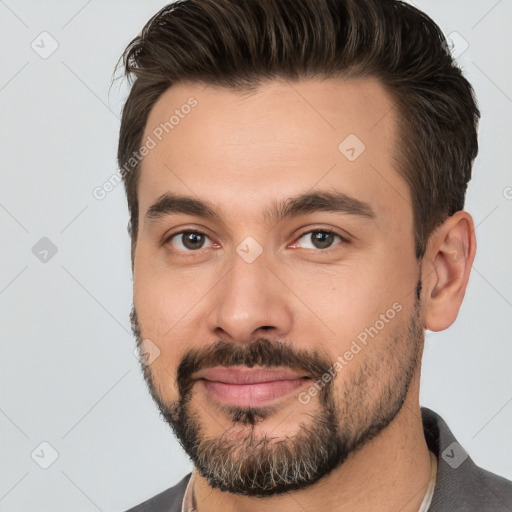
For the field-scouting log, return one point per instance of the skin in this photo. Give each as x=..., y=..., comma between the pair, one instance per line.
x=240, y=153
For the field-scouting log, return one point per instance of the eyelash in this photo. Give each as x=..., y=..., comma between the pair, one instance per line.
x=192, y=231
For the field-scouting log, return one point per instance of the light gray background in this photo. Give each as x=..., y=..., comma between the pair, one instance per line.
x=68, y=373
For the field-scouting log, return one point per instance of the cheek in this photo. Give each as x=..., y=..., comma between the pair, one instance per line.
x=340, y=298
x=164, y=296
x=355, y=302
x=153, y=300
x=169, y=304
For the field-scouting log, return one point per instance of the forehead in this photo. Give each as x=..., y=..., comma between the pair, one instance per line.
x=244, y=149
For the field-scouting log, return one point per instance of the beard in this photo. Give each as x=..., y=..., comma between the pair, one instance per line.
x=259, y=464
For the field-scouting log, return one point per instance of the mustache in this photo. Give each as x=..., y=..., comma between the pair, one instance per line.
x=262, y=352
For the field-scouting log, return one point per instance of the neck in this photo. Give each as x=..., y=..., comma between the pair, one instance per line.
x=389, y=473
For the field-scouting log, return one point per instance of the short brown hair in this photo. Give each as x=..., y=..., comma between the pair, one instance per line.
x=240, y=43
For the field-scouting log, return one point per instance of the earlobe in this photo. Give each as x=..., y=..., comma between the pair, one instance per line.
x=451, y=253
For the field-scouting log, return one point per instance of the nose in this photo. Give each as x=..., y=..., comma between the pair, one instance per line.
x=251, y=302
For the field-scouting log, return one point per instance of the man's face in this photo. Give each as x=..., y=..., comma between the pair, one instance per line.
x=285, y=315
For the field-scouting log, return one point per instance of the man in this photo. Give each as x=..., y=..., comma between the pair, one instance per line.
x=296, y=173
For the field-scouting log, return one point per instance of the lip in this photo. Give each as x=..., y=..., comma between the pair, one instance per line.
x=246, y=387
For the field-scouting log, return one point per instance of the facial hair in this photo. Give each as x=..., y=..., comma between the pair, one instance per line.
x=344, y=421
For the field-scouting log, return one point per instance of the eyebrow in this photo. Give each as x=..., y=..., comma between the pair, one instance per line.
x=302, y=204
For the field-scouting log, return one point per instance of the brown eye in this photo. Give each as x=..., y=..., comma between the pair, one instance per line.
x=319, y=239
x=189, y=240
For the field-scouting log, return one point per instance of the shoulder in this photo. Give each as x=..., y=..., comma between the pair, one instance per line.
x=169, y=500
x=472, y=489
x=461, y=485
x=498, y=486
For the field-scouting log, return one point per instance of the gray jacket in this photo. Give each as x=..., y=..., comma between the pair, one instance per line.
x=461, y=486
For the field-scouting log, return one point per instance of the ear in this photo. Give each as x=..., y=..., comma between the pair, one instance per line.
x=446, y=268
